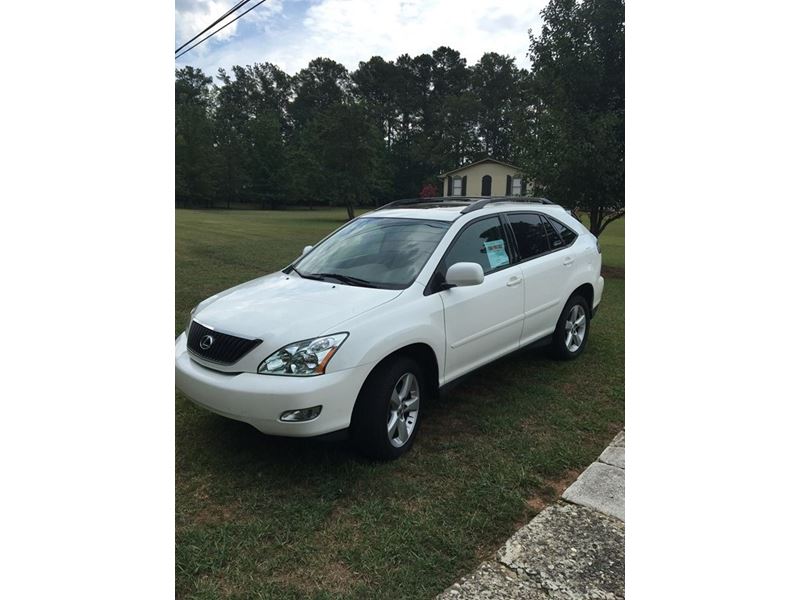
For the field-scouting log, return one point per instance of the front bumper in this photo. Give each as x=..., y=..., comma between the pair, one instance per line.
x=261, y=399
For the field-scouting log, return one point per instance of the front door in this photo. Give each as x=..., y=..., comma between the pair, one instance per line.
x=486, y=185
x=482, y=322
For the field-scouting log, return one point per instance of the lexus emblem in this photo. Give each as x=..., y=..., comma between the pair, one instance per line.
x=205, y=342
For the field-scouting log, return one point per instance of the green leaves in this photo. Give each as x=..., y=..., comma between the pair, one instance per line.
x=263, y=138
x=576, y=149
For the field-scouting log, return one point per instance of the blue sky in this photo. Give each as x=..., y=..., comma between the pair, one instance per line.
x=290, y=33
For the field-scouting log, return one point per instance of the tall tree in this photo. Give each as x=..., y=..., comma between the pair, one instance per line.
x=262, y=136
x=267, y=164
x=232, y=128
x=455, y=111
x=194, y=137
x=268, y=90
x=409, y=102
x=578, y=148
x=496, y=81
x=376, y=85
x=323, y=83
x=344, y=155
x=264, y=93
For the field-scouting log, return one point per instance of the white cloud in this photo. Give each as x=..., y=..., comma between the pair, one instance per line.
x=350, y=31
x=354, y=30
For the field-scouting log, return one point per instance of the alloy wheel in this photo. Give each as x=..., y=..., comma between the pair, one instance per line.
x=575, y=328
x=403, y=410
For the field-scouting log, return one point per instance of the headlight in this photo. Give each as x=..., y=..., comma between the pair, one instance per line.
x=304, y=358
x=191, y=318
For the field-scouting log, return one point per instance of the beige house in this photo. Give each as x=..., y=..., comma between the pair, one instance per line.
x=487, y=177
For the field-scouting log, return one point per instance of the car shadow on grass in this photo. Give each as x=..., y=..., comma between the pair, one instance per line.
x=235, y=437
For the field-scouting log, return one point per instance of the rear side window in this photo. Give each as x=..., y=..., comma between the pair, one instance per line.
x=482, y=242
x=530, y=234
x=567, y=235
x=555, y=240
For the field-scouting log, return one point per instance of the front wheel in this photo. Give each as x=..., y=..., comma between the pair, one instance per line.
x=386, y=414
x=572, y=330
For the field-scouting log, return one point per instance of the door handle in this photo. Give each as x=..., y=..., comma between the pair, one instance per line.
x=514, y=281
x=568, y=261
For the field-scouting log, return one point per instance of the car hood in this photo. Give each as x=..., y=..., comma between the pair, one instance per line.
x=281, y=308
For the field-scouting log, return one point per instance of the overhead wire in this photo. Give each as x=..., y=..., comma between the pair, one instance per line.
x=213, y=33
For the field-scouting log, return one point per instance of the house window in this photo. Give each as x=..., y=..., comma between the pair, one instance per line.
x=486, y=185
x=456, y=186
x=516, y=186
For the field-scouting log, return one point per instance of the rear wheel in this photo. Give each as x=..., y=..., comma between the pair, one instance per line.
x=386, y=414
x=572, y=330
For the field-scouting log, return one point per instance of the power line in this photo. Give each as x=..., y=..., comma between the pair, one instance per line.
x=236, y=7
x=221, y=28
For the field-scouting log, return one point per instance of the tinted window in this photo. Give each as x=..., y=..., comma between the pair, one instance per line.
x=567, y=235
x=531, y=235
x=552, y=235
x=482, y=242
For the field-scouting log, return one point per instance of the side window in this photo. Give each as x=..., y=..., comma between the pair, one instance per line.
x=530, y=234
x=567, y=235
x=555, y=240
x=482, y=242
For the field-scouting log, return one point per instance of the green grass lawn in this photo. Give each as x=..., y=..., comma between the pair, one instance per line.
x=612, y=244
x=263, y=517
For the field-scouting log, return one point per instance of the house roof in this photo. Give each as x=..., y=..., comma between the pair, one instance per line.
x=477, y=162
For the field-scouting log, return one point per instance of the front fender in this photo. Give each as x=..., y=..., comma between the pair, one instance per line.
x=412, y=318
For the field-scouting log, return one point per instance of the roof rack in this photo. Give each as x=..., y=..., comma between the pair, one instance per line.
x=472, y=203
x=436, y=200
x=485, y=201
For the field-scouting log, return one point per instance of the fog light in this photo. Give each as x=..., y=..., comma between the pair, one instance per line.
x=304, y=414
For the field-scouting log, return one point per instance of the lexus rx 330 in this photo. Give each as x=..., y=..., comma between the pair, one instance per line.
x=360, y=332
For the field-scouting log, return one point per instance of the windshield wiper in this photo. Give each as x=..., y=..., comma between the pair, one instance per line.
x=292, y=268
x=314, y=276
x=345, y=279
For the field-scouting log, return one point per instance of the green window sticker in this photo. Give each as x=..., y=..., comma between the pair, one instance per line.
x=496, y=253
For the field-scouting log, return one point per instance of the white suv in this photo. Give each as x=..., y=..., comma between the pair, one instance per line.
x=358, y=333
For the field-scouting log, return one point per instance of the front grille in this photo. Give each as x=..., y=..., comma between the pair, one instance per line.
x=225, y=349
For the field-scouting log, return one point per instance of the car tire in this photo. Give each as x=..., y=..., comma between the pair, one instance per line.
x=572, y=329
x=386, y=414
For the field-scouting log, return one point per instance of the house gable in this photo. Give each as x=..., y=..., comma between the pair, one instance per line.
x=486, y=177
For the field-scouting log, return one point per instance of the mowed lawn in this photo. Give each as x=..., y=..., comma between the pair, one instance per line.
x=263, y=517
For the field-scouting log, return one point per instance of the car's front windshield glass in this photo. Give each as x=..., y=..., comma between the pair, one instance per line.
x=374, y=252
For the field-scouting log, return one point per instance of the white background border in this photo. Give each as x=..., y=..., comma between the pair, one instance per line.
x=88, y=293
x=87, y=303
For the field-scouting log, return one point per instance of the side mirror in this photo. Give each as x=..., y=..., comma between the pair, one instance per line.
x=464, y=274
x=306, y=250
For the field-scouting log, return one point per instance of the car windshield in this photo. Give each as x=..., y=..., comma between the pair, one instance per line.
x=374, y=252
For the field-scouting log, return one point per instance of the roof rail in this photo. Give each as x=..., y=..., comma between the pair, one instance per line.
x=485, y=201
x=413, y=201
x=472, y=202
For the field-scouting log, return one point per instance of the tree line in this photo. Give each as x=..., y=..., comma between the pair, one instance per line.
x=258, y=136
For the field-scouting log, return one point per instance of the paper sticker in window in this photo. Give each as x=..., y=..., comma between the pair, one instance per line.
x=496, y=253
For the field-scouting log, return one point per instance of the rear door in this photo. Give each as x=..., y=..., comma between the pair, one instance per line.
x=482, y=322
x=543, y=271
